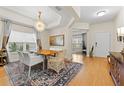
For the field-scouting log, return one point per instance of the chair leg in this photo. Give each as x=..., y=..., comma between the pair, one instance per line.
x=29, y=72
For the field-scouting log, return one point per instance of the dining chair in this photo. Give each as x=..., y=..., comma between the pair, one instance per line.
x=57, y=63
x=30, y=60
x=13, y=56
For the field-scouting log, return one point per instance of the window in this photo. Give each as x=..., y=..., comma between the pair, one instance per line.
x=21, y=41
x=77, y=42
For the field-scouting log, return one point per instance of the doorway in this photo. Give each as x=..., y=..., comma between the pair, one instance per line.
x=79, y=43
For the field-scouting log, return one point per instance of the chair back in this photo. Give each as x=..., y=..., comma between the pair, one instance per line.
x=61, y=54
x=26, y=58
x=21, y=57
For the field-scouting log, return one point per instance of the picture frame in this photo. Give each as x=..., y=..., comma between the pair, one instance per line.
x=56, y=40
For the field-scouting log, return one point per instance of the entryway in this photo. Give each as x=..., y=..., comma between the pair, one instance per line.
x=102, y=44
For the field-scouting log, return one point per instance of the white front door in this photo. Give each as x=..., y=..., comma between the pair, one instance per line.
x=102, y=44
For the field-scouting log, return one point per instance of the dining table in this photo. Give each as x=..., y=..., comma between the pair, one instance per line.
x=46, y=54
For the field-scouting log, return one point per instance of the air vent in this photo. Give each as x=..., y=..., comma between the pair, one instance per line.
x=58, y=8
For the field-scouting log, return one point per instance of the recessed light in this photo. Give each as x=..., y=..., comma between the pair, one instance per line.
x=101, y=13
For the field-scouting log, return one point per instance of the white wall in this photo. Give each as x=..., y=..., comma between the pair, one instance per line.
x=12, y=16
x=44, y=39
x=25, y=20
x=80, y=25
x=67, y=39
x=120, y=18
x=119, y=22
x=4, y=13
x=101, y=27
x=68, y=35
x=111, y=27
x=77, y=10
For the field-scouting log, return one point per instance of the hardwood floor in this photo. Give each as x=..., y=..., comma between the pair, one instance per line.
x=4, y=79
x=95, y=72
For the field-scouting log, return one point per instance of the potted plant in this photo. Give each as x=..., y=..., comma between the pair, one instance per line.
x=91, y=52
x=13, y=47
x=12, y=54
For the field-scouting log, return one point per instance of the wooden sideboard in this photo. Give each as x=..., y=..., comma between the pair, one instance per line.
x=117, y=68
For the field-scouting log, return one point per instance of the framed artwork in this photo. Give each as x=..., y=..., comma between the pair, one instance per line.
x=57, y=40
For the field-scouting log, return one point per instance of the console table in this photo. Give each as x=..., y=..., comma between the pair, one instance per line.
x=117, y=68
x=2, y=57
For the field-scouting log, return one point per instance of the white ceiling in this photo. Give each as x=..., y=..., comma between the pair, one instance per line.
x=88, y=13
x=55, y=17
x=67, y=14
x=49, y=16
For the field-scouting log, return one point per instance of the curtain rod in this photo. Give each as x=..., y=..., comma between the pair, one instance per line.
x=17, y=23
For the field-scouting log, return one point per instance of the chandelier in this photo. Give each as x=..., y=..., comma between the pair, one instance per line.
x=40, y=26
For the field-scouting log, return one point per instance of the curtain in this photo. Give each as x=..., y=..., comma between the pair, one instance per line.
x=1, y=33
x=6, y=34
x=39, y=44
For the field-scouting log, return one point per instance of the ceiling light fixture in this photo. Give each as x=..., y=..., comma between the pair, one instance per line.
x=101, y=13
x=40, y=26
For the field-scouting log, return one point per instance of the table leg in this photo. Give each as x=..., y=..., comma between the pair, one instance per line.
x=45, y=63
x=29, y=72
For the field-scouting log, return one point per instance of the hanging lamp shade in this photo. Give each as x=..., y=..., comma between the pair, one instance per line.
x=40, y=26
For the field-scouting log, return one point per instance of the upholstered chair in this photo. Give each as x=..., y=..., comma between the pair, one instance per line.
x=57, y=63
x=29, y=60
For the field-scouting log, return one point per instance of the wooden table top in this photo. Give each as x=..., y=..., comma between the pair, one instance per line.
x=47, y=52
x=118, y=56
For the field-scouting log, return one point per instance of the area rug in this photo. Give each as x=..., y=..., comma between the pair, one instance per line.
x=18, y=74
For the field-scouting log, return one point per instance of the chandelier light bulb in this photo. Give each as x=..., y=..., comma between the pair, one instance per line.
x=40, y=26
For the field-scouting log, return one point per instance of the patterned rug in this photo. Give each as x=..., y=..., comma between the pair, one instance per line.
x=18, y=74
